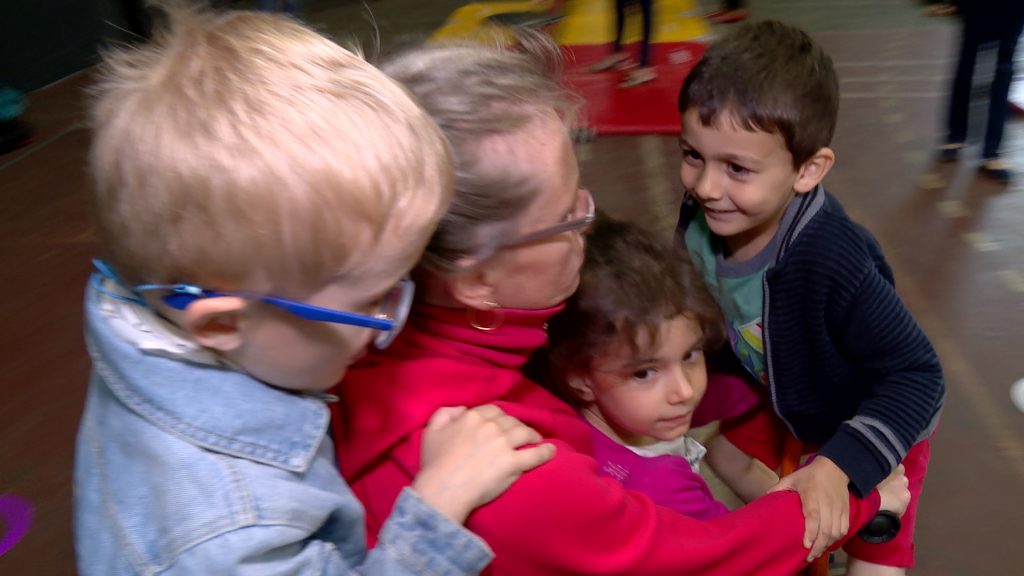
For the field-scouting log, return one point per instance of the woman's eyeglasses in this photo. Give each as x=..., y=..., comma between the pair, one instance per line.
x=579, y=219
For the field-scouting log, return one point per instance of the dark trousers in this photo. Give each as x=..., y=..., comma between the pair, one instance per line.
x=733, y=4
x=646, y=8
x=978, y=30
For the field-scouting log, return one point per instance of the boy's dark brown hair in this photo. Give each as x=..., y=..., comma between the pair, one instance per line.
x=769, y=77
x=632, y=281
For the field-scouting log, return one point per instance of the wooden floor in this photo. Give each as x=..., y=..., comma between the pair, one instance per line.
x=954, y=239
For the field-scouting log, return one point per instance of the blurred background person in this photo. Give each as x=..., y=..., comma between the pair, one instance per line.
x=984, y=21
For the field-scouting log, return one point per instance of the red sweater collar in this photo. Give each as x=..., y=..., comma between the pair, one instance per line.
x=437, y=360
x=509, y=345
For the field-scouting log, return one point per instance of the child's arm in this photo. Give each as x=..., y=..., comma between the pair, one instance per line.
x=876, y=332
x=746, y=477
x=470, y=456
x=824, y=495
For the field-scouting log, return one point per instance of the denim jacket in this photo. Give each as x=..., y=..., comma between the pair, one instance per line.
x=192, y=468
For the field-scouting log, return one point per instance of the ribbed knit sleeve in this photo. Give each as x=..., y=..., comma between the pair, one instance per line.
x=851, y=368
x=879, y=336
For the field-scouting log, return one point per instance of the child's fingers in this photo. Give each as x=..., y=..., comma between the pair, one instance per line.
x=832, y=528
x=812, y=524
x=487, y=411
x=518, y=434
x=444, y=416
x=785, y=483
x=818, y=547
x=530, y=458
x=812, y=530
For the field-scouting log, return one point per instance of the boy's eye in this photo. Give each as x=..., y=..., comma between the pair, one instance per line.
x=737, y=170
x=644, y=374
x=691, y=156
x=693, y=356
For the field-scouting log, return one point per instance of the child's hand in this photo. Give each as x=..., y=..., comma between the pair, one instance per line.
x=469, y=457
x=895, y=492
x=826, y=503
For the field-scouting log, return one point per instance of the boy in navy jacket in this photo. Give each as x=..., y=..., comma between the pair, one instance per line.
x=809, y=299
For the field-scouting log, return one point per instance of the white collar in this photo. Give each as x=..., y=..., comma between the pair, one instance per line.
x=141, y=327
x=688, y=448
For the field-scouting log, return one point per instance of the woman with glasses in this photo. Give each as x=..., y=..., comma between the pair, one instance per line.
x=502, y=262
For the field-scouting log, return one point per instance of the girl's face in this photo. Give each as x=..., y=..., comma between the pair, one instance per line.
x=647, y=396
x=543, y=273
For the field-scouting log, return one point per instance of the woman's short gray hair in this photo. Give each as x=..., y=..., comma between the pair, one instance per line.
x=476, y=92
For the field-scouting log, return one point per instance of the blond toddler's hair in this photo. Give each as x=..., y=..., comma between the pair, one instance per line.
x=245, y=145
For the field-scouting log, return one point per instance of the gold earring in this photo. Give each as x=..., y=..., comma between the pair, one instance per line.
x=496, y=321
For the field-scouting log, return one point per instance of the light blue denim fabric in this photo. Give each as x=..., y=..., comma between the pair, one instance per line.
x=189, y=469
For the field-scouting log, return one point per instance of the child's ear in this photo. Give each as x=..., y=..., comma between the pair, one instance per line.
x=581, y=388
x=813, y=171
x=214, y=322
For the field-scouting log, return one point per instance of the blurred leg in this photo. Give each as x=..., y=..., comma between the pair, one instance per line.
x=620, y=23
x=961, y=98
x=998, y=105
x=647, y=10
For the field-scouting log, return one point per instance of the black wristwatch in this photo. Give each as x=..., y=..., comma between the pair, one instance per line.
x=882, y=528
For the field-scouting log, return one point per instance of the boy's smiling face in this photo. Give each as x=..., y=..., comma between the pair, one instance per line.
x=742, y=179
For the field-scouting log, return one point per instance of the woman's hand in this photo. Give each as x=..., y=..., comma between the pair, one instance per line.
x=471, y=456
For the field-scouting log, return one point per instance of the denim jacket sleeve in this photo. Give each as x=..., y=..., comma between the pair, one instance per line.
x=416, y=540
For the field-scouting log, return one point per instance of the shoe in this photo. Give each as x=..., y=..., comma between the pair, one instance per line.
x=942, y=9
x=728, y=16
x=996, y=170
x=616, y=61
x=950, y=152
x=638, y=77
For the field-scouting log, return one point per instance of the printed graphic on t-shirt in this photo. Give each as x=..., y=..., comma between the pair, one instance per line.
x=747, y=341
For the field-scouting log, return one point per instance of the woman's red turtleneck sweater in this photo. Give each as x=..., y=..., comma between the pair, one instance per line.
x=560, y=518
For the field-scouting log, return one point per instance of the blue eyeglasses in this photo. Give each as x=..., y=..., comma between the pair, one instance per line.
x=392, y=311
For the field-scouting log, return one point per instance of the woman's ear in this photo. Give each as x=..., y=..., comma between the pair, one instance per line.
x=813, y=171
x=214, y=322
x=581, y=388
x=473, y=288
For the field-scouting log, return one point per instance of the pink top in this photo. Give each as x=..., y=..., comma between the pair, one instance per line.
x=668, y=479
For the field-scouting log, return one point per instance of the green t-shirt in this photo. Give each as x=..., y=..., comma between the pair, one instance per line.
x=738, y=287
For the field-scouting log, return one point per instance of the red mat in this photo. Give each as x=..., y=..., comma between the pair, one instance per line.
x=646, y=109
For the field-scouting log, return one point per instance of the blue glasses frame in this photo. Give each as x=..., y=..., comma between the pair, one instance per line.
x=179, y=296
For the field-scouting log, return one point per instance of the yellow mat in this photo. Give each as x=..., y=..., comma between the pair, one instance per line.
x=584, y=21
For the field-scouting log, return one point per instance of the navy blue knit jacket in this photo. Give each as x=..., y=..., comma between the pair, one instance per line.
x=848, y=367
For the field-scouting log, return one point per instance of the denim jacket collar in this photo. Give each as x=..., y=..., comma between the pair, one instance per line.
x=214, y=407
